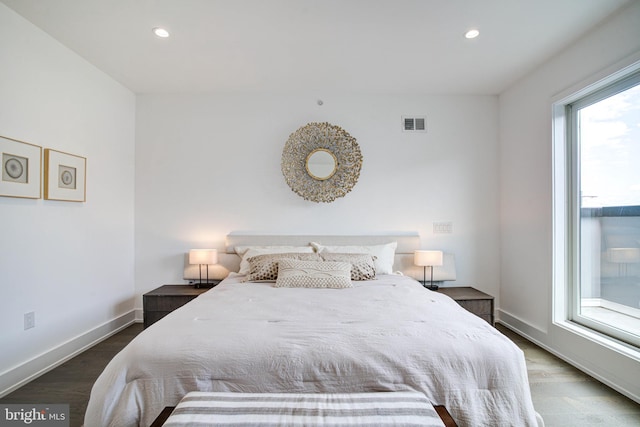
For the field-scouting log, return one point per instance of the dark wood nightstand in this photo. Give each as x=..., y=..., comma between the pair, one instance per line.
x=473, y=300
x=161, y=301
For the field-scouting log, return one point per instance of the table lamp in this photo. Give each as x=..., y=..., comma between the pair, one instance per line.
x=428, y=259
x=623, y=257
x=203, y=257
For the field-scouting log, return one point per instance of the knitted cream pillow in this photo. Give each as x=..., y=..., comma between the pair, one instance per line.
x=294, y=273
x=264, y=268
x=362, y=265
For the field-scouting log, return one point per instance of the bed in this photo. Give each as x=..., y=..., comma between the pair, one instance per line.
x=380, y=335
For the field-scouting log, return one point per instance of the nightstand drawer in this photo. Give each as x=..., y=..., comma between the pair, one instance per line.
x=472, y=300
x=487, y=317
x=161, y=301
x=478, y=307
x=165, y=303
x=151, y=317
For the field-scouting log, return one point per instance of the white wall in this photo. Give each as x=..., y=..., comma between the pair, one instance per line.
x=71, y=263
x=526, y=196
x=209, y=164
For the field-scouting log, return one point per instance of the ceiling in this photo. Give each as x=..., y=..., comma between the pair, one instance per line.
x=319, y=46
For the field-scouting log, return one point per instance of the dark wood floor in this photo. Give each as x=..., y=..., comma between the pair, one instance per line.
x=563, y=395
x=71, y=382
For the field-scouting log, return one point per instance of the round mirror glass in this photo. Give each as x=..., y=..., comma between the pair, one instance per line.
x=321, y=164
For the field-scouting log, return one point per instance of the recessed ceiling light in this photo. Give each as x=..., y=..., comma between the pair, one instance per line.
x=161, y=32
x=472, y=34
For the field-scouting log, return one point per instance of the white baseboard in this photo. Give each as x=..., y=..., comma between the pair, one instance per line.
x=521, y=326
x=15, y=378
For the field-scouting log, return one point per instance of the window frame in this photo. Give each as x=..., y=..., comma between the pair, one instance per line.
x=567, y=204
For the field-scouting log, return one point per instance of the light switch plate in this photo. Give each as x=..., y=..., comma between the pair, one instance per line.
x=443, y=227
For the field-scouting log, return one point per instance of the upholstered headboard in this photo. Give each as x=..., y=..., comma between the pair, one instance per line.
x=229, y=261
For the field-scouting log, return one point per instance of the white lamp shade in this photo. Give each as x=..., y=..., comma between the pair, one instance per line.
x=624, y=255
x=427, y=258
x=203, y=256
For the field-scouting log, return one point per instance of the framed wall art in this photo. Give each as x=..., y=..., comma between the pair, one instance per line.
x=21, y=166
x=65, y=176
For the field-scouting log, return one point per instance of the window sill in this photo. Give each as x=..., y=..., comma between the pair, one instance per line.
x=613, y=344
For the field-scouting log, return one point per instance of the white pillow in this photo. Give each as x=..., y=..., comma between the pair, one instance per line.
x=247, y=252
x=293, y=273
x=384, y=254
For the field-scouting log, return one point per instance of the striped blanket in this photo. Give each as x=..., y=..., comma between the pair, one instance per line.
x=304, y=409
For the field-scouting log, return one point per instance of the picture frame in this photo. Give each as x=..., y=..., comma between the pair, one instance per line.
x=21, y=164
x=65, y=176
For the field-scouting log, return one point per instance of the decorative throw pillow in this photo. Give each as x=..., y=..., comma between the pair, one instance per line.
x=384, y=253
x=362, y=266
x=294, y=273
x=247, y=252
x=264, y=268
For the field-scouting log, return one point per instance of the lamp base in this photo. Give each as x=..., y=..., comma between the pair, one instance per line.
x=207, y=285
x=429, y=285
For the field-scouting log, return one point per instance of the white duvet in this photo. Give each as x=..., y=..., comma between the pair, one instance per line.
x=384, y=335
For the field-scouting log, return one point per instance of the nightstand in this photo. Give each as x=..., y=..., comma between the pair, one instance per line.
x=473, y=300
x=163, y=300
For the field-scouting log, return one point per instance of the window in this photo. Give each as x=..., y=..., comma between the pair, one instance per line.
x=602, y=207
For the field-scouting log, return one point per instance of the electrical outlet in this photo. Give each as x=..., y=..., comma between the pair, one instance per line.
x=444, y=227
x=29, y=320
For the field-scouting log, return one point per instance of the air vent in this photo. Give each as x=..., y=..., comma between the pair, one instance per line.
x=414, y=123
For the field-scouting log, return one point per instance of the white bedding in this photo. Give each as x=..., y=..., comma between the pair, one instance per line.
x=389, y=334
